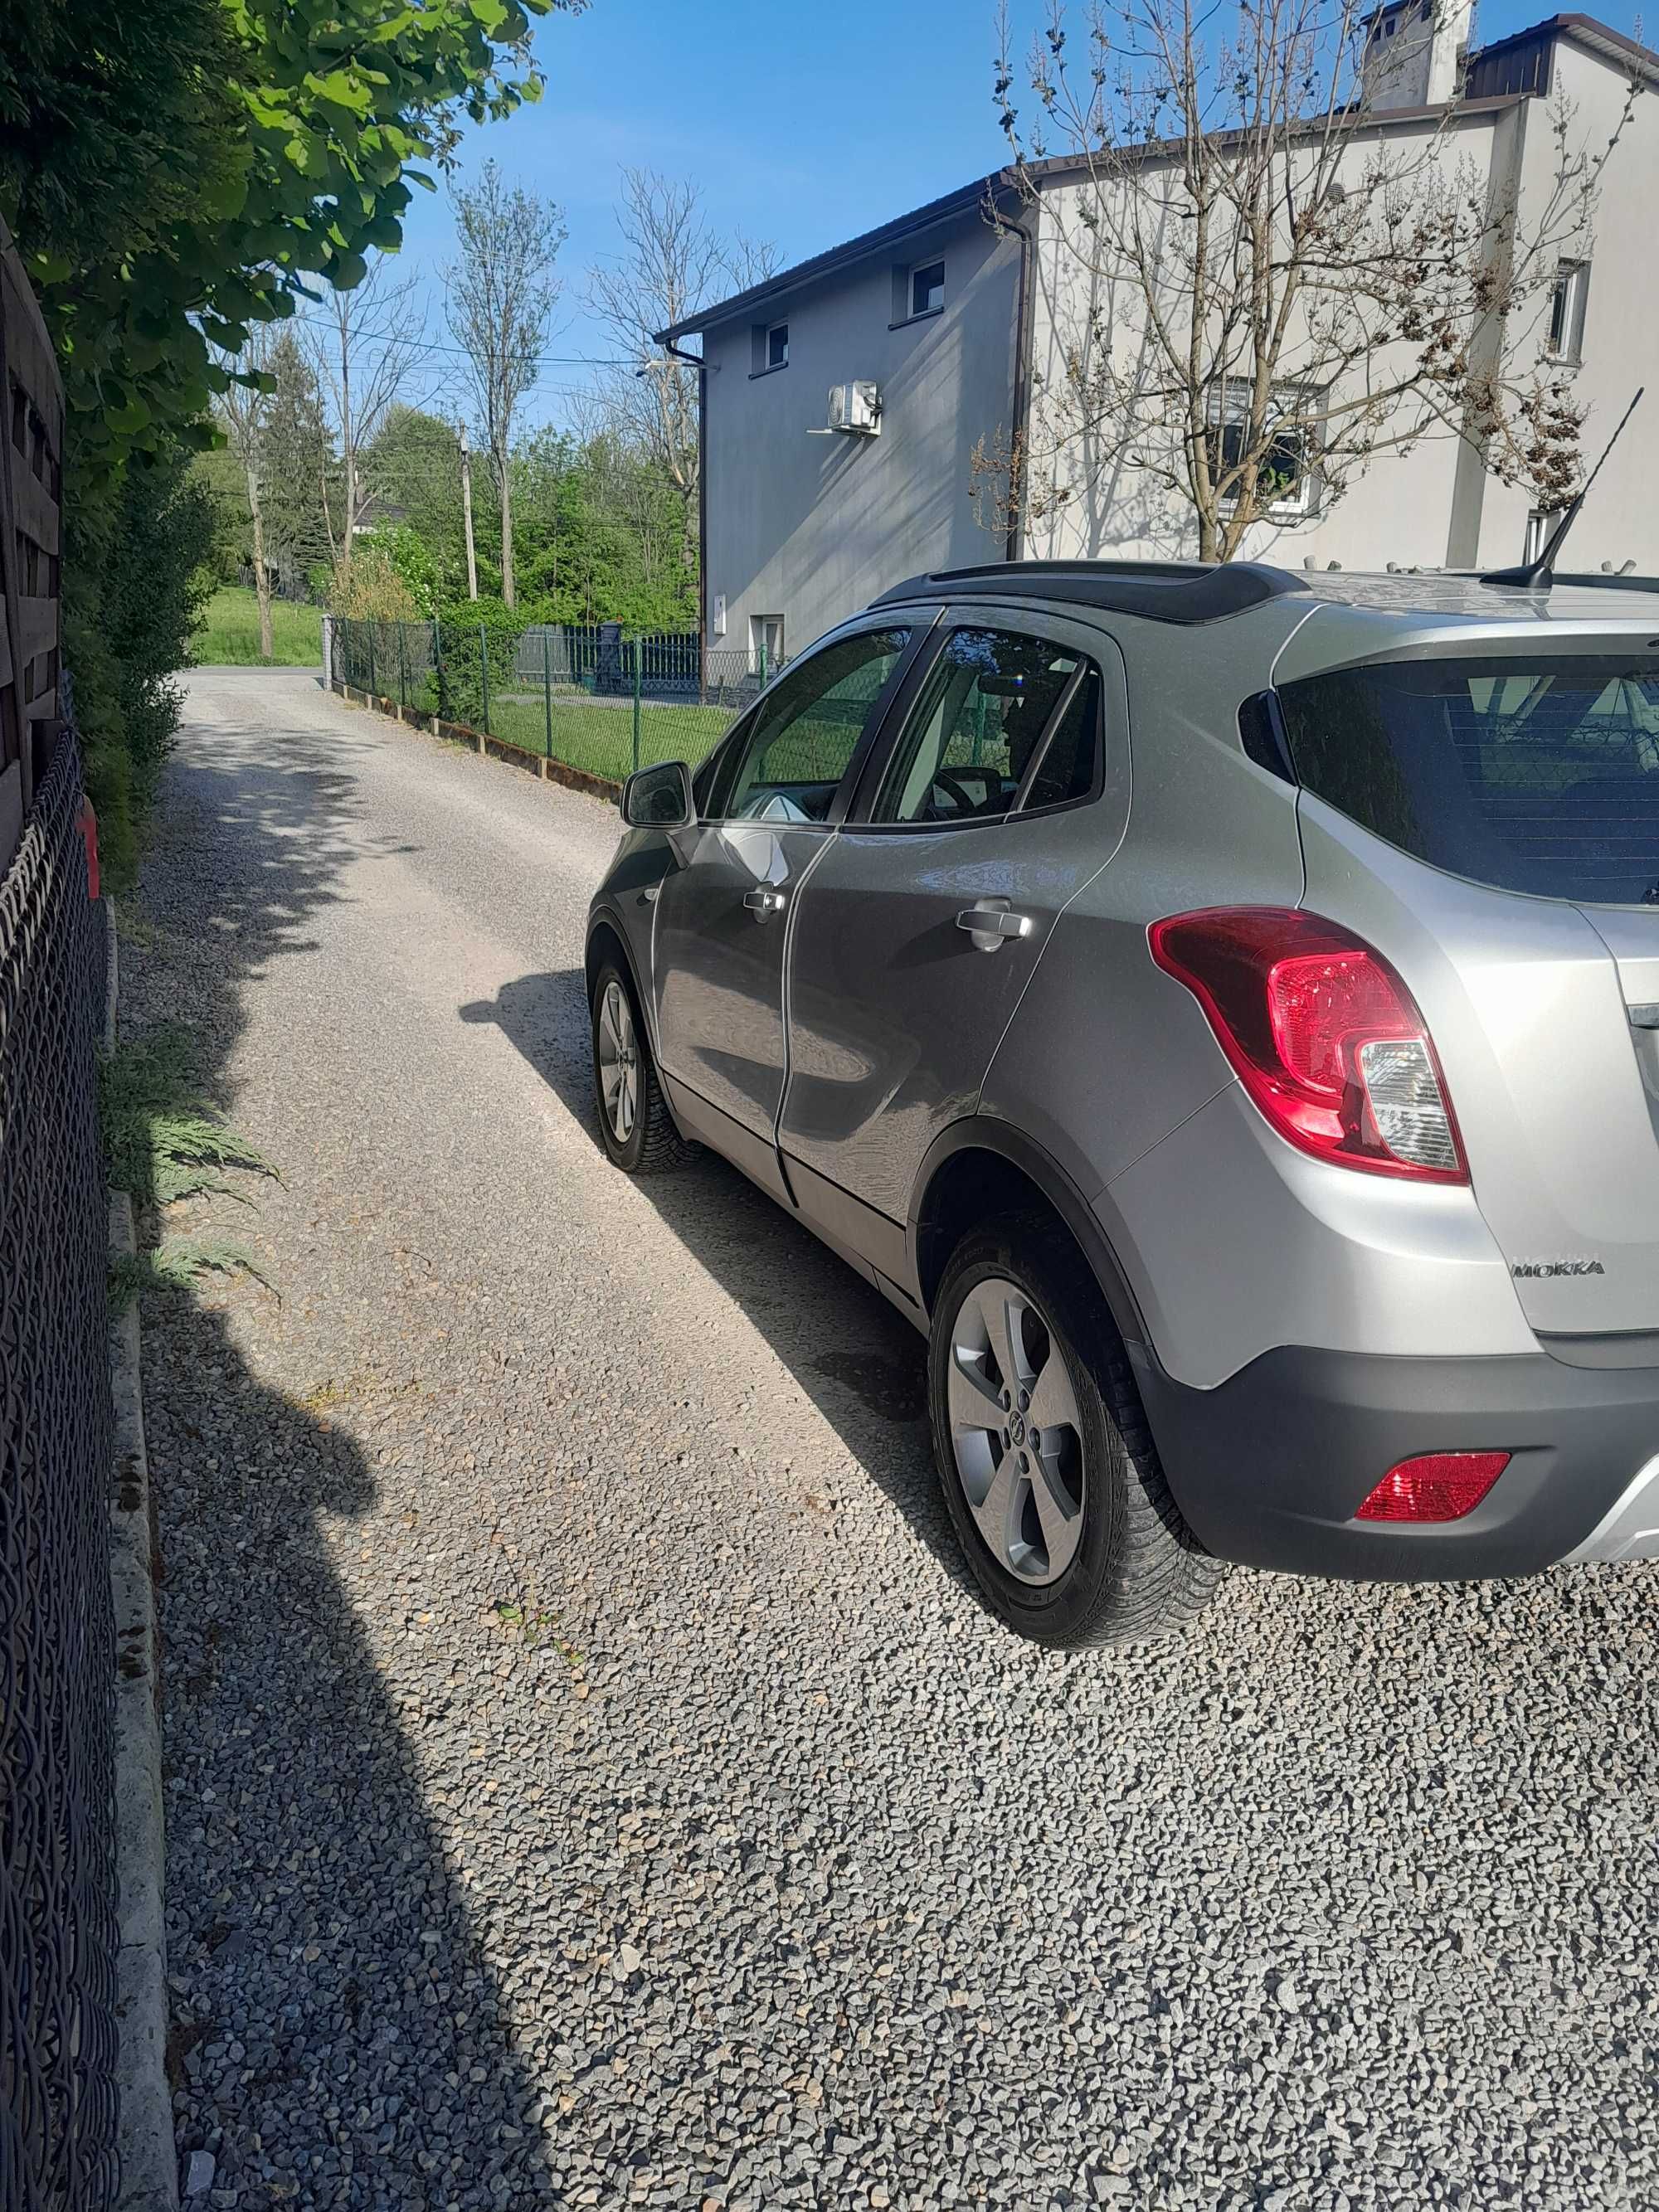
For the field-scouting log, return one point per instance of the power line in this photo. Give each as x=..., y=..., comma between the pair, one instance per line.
x=437, y=345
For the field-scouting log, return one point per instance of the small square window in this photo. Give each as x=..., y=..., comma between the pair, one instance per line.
x=777, y=346
x=1568, y=299
x=927, y=289
x=1540, y=524
x=1287, y=472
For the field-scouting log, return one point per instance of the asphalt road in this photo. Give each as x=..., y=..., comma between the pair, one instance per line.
x=590, y=1781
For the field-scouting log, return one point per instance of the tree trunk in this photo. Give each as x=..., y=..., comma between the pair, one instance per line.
x=508, y=592
x=261, y=573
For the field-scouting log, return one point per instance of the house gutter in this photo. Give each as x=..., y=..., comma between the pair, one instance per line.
x=695, y=360
x=1023, y=316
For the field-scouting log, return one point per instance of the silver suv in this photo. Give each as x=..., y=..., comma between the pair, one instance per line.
x=1220, y=1007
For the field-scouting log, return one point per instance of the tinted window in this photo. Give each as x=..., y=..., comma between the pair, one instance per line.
x=1535, y=774
x=978, y=726
x=806, y=729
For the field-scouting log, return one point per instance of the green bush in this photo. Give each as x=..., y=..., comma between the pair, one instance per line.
x=133, y=591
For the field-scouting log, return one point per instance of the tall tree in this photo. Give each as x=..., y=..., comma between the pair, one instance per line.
x=298, y=465
x=672, y=262
x=244, y=407
x=1256, y=284
x=365, y=345
x=502, y=294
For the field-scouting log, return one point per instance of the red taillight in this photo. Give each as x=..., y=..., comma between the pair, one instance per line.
x=1325, y=1036
x=1437, y=1486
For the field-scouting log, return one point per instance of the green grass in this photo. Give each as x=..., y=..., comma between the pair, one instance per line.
x=229, y=635
x=601, y=739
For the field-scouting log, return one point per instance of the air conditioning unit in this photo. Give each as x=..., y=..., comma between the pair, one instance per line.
x=856, y=407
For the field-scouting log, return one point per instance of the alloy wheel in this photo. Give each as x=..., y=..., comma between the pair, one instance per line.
x=1016, y=1432
x=619, y=1062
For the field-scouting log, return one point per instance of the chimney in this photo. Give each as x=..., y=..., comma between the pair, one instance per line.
x=1415, y=52
x=1449, y=44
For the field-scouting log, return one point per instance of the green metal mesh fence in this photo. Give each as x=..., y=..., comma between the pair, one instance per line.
x=589, y=697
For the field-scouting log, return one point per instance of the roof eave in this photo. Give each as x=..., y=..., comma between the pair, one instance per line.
x=999, y=184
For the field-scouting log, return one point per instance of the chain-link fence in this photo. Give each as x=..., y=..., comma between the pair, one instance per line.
x=59, y=1934
x=588, y=696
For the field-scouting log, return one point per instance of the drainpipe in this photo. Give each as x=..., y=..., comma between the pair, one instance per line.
x=695, y=360
x=1022, y=403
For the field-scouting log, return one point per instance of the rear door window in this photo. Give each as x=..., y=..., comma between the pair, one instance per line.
x=1537, y=774
x=1004, y=719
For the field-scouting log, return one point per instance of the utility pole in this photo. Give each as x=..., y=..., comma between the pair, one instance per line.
x=466, y=509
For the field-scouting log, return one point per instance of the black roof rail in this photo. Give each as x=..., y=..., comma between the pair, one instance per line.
x=1161, y=591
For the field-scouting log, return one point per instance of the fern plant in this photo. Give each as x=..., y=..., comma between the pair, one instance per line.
x=164, y=1142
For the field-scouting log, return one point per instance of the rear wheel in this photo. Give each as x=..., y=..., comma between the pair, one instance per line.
x=1049, y=1473
x=635, y=1121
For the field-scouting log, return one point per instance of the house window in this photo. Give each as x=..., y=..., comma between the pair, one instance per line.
x=1540, y=524
x=769, y=347
x=1287, y=476
x=766, y=644
x=927, y=289
x=1567, y=301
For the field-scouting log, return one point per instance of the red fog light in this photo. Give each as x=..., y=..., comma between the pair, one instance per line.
x=1439, y=1487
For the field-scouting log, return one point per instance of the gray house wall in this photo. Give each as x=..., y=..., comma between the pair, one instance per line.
x=812, y=528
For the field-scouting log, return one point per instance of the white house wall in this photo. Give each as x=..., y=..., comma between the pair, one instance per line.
x=1401, y=510
x=1620, y=518
x=812, y=528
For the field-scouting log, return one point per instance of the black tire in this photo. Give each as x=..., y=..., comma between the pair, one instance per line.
x=1137, y=1571
x=651, y=1144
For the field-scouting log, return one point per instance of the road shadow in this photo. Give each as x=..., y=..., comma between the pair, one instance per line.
x=336, y=2037
x=870, y=1381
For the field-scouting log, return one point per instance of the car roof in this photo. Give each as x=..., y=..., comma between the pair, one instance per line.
x=1190, y=592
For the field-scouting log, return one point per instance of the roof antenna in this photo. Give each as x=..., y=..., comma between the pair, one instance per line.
x=1540, y=572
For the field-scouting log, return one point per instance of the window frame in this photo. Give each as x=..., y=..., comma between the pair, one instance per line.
x=1570, y=293
x=913, y=275
x=734, y=745
x=1112, y=731
x=1305, y=507
x=775, y=663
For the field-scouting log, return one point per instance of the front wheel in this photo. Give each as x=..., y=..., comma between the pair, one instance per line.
x=1050, y=1472
x=634, y=1122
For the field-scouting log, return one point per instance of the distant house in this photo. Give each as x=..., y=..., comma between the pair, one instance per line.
x=378, y=513
x=925, y=335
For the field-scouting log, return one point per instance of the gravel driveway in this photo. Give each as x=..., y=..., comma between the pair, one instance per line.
x=589, y=1780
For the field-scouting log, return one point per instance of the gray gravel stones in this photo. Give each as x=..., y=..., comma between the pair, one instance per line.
x=589, y=1780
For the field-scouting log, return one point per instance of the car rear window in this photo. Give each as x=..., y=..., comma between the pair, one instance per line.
x=1536, y=775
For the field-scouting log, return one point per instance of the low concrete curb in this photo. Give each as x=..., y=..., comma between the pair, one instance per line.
x=149, y=2161
x=462, y=733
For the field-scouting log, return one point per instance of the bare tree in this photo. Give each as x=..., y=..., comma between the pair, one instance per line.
x=244, y=409
x=1258, y=285
x=365, y=347
x=502, y=294
x=672, y=262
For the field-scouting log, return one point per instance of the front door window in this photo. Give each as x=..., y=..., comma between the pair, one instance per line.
x=807, y=730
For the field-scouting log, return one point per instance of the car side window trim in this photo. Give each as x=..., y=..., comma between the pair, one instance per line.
x=947, y=621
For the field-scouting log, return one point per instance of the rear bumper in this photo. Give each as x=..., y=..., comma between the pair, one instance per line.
x=1270, y=1466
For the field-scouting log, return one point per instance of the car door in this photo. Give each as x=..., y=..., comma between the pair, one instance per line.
x=722, y=912
x=1006, y=788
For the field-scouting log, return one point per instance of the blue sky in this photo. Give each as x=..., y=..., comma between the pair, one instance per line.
x=803, y=124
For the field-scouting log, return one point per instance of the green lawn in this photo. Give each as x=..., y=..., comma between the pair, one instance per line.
x=229, y=635
x=600, y=739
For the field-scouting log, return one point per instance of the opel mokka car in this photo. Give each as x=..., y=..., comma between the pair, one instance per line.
x=1220, y=1008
